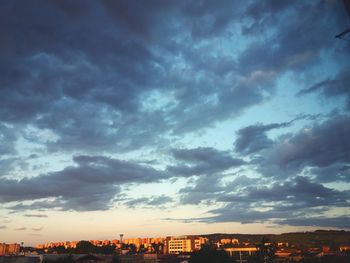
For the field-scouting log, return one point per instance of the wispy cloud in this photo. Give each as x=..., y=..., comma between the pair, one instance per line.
x=37, y=228
x=22, y=228
x=36, y=215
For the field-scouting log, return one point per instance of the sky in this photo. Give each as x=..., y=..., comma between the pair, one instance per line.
x=155, y=118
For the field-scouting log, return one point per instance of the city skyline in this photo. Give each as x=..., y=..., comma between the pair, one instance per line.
x=153, y=117
x=331, y=245
x=235, y=239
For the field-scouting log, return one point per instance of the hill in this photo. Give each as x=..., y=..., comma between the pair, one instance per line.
x=299, y=239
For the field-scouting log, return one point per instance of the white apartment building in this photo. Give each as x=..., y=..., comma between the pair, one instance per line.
x=182, y=244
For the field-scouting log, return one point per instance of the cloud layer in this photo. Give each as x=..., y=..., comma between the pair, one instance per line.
x=90, y=185
x=100, y=96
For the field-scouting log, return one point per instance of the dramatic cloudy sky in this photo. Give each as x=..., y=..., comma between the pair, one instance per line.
x=154, y=118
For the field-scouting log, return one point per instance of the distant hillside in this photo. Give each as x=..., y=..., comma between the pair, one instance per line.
x=299, y=239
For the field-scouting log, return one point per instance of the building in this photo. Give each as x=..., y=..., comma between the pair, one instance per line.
x=9, y=249
x=227, y=241
x=241, y=252
x=344, y=247
x=235, y=241
x=182, y=244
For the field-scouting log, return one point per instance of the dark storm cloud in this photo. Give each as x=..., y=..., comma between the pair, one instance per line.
x=11, y=164
x=6, y=165
x=86, y=81
x=297, y=193
x=298, y=199
x=144, y=20
x=331, y=173
x=263, y=13
x=205, y=189
x=89, y=185
x=202, y=160
x=103, y=77
x=245, y=216
x=37, y=205
x=337, y=87
x=7, y=139
x=66, y=68
x=84, y=70
x=300, y=192
x=320, y=146
x=253, y=138
x=290, y=46
x=151, y=202
x=320, y=151
x=339, y=222
x=208, y=189
x=210, y=18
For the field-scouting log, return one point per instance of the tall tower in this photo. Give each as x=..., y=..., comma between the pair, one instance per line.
x=121, y=238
